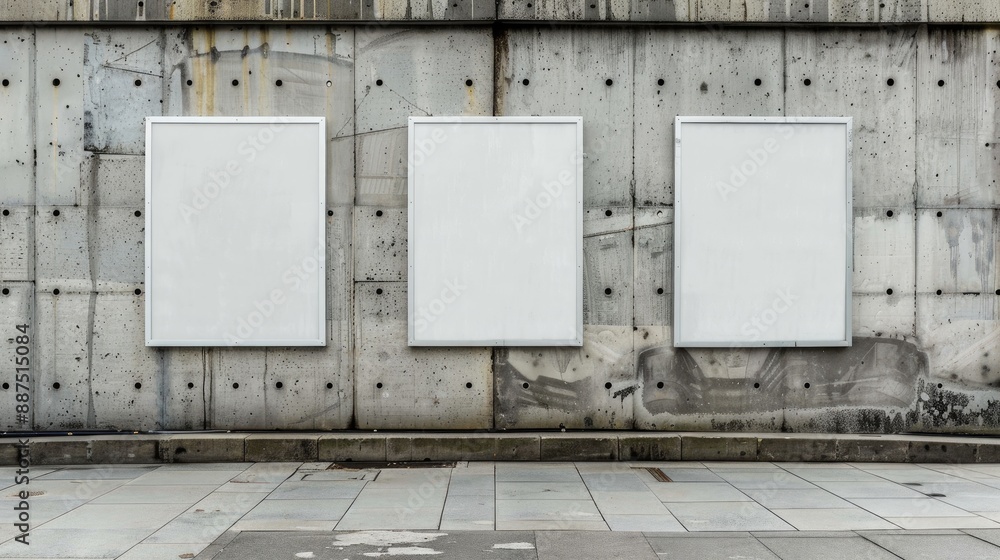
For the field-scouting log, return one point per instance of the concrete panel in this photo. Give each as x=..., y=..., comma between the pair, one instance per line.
x=183, y=378
x=884, y=250
x=17, y=242
x=42, y=10
x=589, y=387
x=90, y=244
x=63, y=387
x=421, y=388
x=117, y=180
x=59, y=122
x=16, y=309
x=957, y=139
x=438, y=10
x=901, y=11
x=237, y=390
x=958, y=251
x=126, y=381
x=16, y=146
x=740, y=10
x=847, y=73
x=653, y=266
x=422, y=72
x=63, y=249
x=697, y=72
x=587, y=10
x=948, y=11
x=381, y=174
x=583, y=72
x=881, y=315
x=305, y=71
x=380, y=250
x=961, y=335
x=123, y=85
x=607, y=279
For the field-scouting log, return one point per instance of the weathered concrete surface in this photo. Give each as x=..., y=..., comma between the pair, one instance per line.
x=16, y=309
x=921, y=360
x=399, y=387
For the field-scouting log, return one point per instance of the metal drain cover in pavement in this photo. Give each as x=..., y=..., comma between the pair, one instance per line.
x=657, y=473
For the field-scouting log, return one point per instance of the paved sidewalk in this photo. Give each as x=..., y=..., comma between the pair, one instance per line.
x=228, y=511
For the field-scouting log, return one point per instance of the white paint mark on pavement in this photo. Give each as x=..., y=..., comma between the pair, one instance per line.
x=515, y=546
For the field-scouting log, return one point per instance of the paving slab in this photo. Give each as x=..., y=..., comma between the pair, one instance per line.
x=744, y=548
x=697, y=492
x=726, y=516
x=318, y=490
x=909, y=507
x=79, y=543
x=143, y=551
x=797, y=498
x=542, y=491
x=575, y=545
x=825, y=548
x=963, y=522
x=644, y=522
x=143, y=494
x=935, y=547
x=547, y=510
x=840, y=519
x=126, y=516
x=883, y=489
x=991, y=536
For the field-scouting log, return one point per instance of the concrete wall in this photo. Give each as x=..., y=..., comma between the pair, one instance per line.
x=924, y=98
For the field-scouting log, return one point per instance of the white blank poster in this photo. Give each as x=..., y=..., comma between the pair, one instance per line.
x=495, y=231
x=762, y=232
x=235, y=231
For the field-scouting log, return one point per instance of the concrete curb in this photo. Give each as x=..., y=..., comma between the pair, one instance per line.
x=482, y=446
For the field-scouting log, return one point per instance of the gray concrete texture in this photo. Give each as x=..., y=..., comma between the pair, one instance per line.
x=460, y=11
x=926, y=352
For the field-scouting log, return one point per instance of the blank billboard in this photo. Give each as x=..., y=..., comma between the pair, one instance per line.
x=235, y=231
x=495, y=231
x=762, y=232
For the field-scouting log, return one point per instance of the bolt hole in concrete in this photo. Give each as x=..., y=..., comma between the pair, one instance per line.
x=938, y=292
x=6, y=212
x=6, y=291
x=757, y=82
x=379, y=291
x=378, y=213
x=138, y=385
x=138, y=292
x=236, y=385
x=189, y=82
x=138, y=213
x=659, y=291
x=468, y=385
x=525, y=385
x=807, y=82
x=608, y=213
x=659, y=384
x=378, y=385
x=279, y=385
x=329, y=83
x=190, y=385
x=55, y=82
x=608, y=82
x=607, y=385
x=329, y=385
x=939, y=214
x=55, y=292
x=525, y=81
x=6, y=82
x=756, y=385
x=889, y=291
x=468, y=83
x=890, y=82
x=278, y=83
x=889, y=213
x=660, y=82
x=55, y=212
x=5, y=386
x=806, y=385
x=329, y=212
x=607, y=291
x=236, y=82
x=138, y=83
x=940, y=385
x=940, y=83
x=56, y=385
x=998, y=292
x=378, y=82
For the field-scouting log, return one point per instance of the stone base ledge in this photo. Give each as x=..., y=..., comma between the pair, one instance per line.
x=487, y=446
